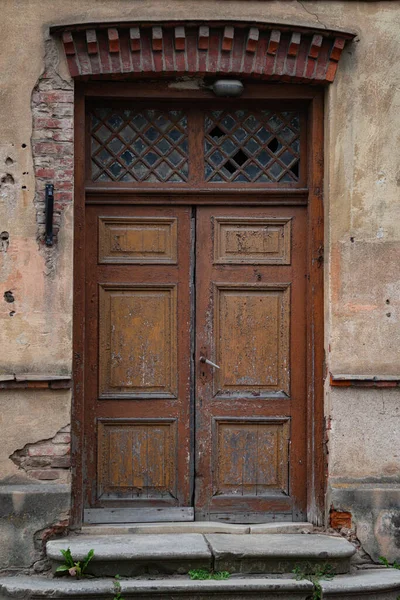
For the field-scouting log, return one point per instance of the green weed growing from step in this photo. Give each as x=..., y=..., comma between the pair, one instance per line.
x=117, y=589
x=206, y=574
x=387, y=564
x=314, y=573
x=75, y=568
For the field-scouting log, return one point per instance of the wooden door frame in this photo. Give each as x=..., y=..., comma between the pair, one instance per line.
x=314, y=96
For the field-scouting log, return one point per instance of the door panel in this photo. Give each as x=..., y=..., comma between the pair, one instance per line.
x=250, y=321
x=138, y=348
x=251, y=328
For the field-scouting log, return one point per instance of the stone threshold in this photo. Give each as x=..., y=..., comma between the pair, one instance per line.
x=201, y=527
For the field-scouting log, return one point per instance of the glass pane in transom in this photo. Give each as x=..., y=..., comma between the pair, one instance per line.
x=251, y=146
x=143, y=145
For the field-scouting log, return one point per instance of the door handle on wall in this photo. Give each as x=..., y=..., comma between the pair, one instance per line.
x=203, y=359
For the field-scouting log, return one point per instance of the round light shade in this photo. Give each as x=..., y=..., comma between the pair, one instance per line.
x=228, y=87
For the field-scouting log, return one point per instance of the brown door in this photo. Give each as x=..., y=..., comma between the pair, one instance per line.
x=248, y=318
x=250, y=322
x=138, y=384
x=215, y=270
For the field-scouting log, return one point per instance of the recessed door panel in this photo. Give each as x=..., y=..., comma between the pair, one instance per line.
x=252, y=241
x=252, y=339
x=136, y=459
x=251, y=457
x=139, y=240
x=138, y=340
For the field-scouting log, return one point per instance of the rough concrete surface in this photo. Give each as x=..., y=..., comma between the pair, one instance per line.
x=28, y=515
x=376, y=515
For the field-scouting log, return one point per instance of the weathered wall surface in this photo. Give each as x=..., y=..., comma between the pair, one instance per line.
x=362, y=192
x=28, y=417
x=362, y=252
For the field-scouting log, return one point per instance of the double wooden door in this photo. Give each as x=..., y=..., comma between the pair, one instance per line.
x=195, y=393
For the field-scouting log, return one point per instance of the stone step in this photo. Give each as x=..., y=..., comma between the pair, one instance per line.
x=131, y=555
x=160, y=589
x=377, y=584
x=278, y=553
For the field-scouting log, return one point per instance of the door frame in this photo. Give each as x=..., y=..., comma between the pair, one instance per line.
x=313, y=197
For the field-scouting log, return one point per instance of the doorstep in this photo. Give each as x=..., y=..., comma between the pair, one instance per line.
x=135, y=554
x=376, y=584
x=195, y=527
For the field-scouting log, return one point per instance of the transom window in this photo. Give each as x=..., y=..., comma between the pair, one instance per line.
x=248, y=147
x=139, y=145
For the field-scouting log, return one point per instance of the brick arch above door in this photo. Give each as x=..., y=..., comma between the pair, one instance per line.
x=268, y=52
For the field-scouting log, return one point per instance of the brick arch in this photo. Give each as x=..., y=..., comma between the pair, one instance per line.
x=267, y=52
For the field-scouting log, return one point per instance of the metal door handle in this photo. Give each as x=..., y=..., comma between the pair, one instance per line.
x=203, y=359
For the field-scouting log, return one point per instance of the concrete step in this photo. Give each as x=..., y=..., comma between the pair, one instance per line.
x=377, y=584
x=132, y=555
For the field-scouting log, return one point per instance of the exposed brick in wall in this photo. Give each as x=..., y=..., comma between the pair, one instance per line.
x=47, y=460
x=339, y=519
x=289, y=54
x=52, y=145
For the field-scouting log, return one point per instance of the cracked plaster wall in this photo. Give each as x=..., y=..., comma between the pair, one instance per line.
x=27, y=417
x=362, y=252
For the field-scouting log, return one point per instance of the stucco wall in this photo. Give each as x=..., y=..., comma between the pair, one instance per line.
x=362, y=252
x=26, y=418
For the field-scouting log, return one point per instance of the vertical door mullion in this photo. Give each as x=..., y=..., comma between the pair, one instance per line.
x=196, y=147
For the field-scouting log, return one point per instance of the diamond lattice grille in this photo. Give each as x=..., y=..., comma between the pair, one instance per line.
x=252, y=146
x=139, y=145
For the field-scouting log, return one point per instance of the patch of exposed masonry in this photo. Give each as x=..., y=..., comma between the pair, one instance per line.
x=52, y=105
x=46, y=460
x=42, y=536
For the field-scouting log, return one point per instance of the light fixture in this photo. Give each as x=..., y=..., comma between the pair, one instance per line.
x=230, y=88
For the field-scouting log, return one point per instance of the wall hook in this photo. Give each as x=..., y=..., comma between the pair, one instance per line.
x=49, y=209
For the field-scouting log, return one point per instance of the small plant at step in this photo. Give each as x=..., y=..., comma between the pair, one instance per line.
x=387, y=564
x=72, y=567
x=206, y=574
x=314, y=573
x=117, y=589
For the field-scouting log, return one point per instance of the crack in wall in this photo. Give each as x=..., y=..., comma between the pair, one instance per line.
x=312, y=14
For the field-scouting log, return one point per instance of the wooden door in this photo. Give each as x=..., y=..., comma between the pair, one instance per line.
x=251, y=322
x=203, y=221
x=138, y=348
